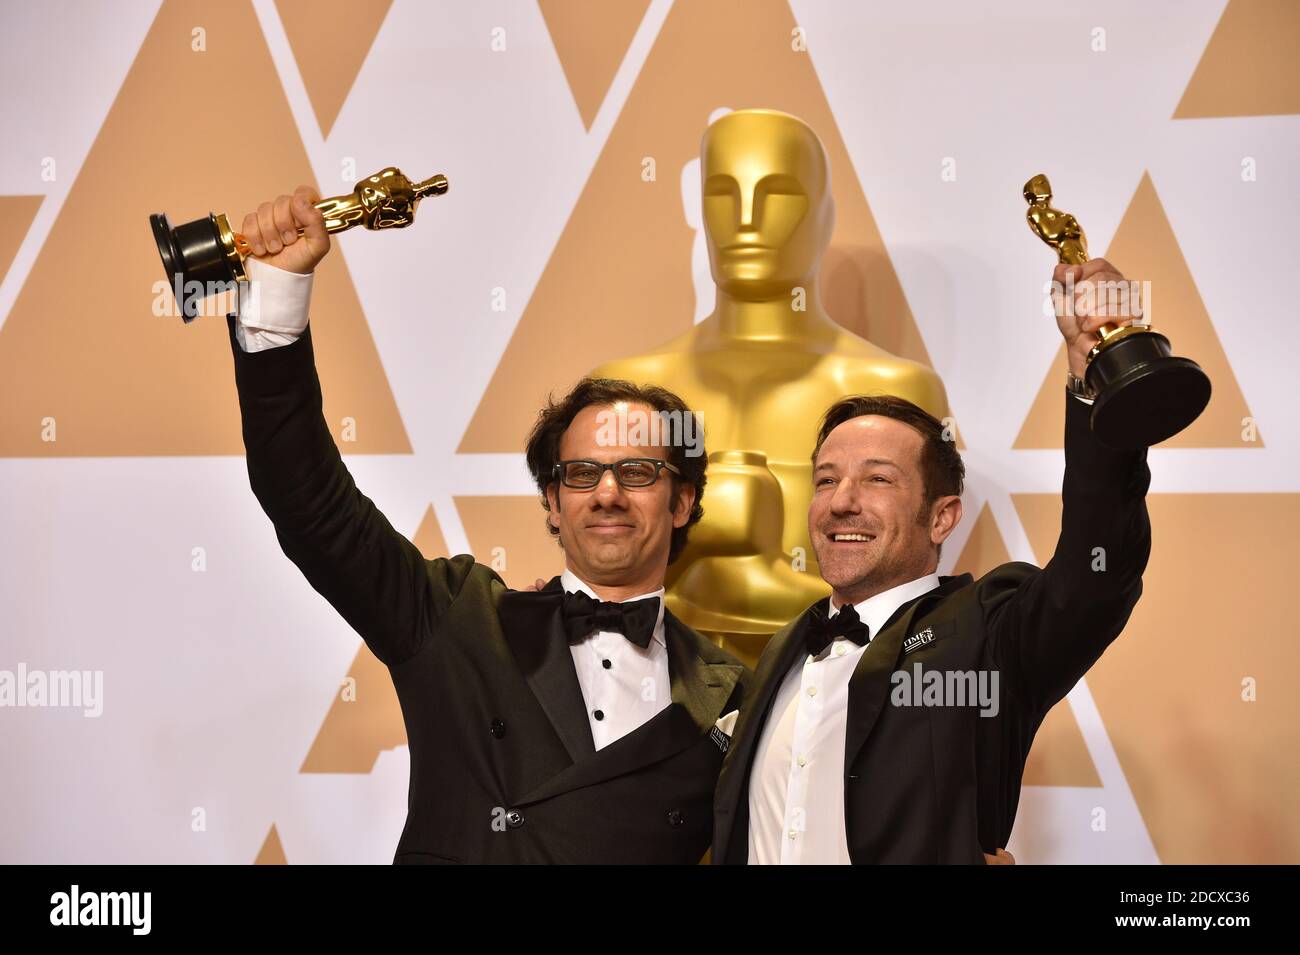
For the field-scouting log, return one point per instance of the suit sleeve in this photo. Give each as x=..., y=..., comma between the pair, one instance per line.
x=371, y=574
x=1048, y=630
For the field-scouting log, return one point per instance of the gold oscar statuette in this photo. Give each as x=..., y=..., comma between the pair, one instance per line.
x=206, y=255
x=1143, y=393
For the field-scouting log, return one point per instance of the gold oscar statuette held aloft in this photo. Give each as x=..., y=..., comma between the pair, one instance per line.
x=206, y=255
x=1143, y=393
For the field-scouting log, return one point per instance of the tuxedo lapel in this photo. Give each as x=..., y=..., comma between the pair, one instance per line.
x=702, y=678
x=870, y=683
x=533, y=628
x=702, y=682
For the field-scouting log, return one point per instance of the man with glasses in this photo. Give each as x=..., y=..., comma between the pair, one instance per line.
x=580, y=722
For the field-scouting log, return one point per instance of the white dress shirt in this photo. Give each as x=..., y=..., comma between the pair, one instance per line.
x=796, y=788
x=623, y=686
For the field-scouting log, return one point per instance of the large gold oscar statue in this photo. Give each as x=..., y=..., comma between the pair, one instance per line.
x=761, y=370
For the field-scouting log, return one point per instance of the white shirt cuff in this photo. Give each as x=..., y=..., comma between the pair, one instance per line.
x=273, y=306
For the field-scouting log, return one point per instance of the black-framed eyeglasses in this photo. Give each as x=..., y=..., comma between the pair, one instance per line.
x=629, y=472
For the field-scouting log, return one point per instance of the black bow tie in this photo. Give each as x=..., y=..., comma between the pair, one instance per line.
x=822, y=630
x=635, y=619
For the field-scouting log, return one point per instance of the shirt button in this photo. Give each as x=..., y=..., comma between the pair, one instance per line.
x=812, y=691
x=514, y=818
x=839, y=650
x=497, y=729
x=792, y=833
x=606, y=664
x=803, y=761
x=599, y=714
x=675, y=818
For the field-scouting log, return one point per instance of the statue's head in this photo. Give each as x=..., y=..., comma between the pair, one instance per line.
x=768, y=208
x=1038, y=189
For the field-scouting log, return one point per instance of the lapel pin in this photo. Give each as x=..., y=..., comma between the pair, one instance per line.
x=917, y=640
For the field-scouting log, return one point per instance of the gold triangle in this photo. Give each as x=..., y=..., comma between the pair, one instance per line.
x=1145, y=248
x=271, y=853
x=591, y=38
x=82, y=345
x=1249, y=66
x=622, y=264
x=508, y=533
x=1059, y=756
x=984, y=548
x=330, y=41
x=357, y=729
x=16, y=215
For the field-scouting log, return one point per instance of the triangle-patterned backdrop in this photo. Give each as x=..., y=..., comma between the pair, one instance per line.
x=132, y=546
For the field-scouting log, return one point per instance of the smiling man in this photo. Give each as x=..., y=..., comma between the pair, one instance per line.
x=891, y=722
x=576, y=723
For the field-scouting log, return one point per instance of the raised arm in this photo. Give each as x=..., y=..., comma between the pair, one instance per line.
x=1050, y=629
x=371, y=574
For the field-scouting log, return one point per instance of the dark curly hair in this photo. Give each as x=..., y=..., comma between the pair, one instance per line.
x=543, y=448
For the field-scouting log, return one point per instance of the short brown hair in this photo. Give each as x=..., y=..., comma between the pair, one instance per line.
x=942, y=470
x=543, y=448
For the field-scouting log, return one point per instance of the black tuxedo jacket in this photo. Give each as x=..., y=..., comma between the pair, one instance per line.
x=503, y=766
x=941, y=784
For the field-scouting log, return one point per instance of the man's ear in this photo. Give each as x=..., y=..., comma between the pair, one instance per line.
x=553, y=499
x=683, y=503
x=947, y=516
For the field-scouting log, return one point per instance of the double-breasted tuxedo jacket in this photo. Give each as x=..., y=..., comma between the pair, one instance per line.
x=503, y=766
x=941, y=783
